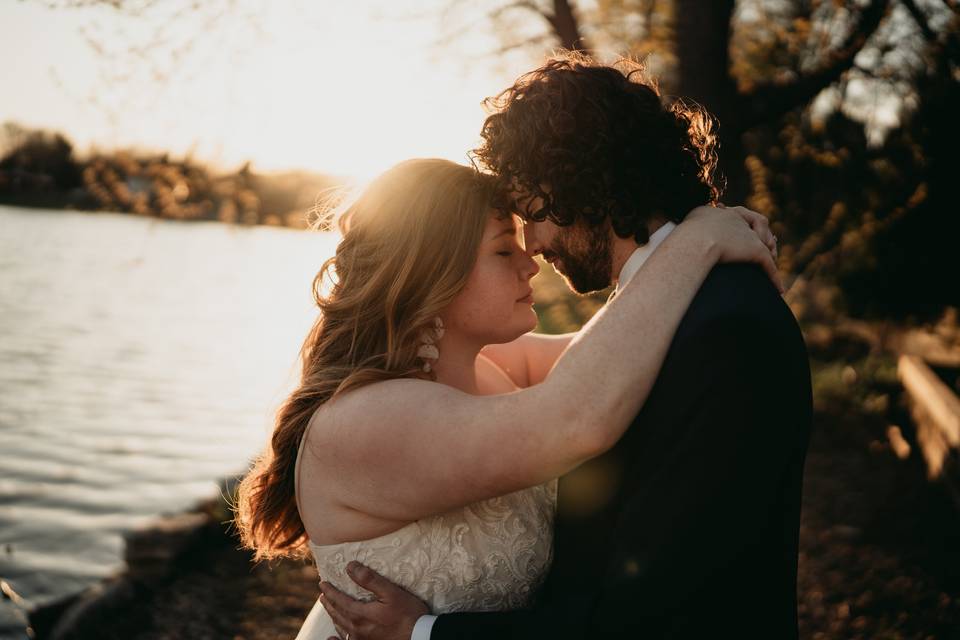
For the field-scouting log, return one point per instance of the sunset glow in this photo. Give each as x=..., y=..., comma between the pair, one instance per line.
x=341, y=88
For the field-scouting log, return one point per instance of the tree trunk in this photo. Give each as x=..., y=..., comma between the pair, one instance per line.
x=703, y=55
x=566, y=26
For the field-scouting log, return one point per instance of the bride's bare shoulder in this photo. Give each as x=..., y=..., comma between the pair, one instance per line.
x=397, y=400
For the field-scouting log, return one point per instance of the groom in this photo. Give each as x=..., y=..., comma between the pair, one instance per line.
x=688, y=527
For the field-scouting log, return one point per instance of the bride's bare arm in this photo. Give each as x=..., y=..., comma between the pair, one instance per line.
x=529, y=358
x=405, y=449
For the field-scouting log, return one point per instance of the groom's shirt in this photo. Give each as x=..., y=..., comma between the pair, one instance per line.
x=641, y=255
x=421, y=631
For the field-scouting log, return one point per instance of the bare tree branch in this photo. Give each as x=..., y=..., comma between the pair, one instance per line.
x=921, y=20
x=873, y=74
x=647, y=10
x=566, y=27
x=538, y=39
x=773, y=99
x=559, y=16
x=521, y=4
x=953, y=4
x=451, y=37
x=562, y=21
x=941, y=50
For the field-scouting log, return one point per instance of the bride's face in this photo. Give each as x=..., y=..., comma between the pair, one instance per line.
x=496, y=305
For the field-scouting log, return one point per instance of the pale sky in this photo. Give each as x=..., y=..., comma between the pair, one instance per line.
x=341, y=87
x=337, y=86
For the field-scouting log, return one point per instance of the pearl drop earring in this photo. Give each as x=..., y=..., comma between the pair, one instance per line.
x=428, y=350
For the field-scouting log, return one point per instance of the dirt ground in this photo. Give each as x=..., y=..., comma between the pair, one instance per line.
x=879, y=544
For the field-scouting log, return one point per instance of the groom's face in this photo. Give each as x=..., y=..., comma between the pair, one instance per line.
x=581, y=252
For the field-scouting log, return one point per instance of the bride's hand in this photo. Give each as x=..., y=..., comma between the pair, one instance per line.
x=738, y=234
x=758, y=222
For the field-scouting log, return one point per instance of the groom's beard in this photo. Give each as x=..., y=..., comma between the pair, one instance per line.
x=583, y=256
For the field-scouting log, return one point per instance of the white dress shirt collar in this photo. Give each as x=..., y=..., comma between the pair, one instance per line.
x=642, y=253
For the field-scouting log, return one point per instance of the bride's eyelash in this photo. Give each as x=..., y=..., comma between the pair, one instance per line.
x=505, y=253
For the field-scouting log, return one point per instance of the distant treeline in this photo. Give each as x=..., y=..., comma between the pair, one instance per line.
x=40, y=169
x=875, y=225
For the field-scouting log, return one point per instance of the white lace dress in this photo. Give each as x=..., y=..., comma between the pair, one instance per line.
x=488, y=556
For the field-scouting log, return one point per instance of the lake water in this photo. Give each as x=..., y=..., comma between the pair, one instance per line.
x=141, y=360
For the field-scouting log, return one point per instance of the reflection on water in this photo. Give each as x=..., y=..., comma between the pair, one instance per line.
x=140, y=361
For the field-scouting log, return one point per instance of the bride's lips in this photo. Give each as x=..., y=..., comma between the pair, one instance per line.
x=528, y=299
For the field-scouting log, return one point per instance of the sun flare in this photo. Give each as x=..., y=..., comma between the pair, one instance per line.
x=346, y=89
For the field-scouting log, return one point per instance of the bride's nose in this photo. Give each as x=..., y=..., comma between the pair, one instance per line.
x=530, y=266
x=530, y=241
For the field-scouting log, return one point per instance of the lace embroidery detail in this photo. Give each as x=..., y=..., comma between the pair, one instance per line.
x=489, y=556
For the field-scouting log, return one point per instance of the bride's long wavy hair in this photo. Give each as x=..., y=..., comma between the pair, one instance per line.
x=410, y=241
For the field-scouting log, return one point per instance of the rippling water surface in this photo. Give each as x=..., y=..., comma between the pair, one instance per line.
x=140, y=361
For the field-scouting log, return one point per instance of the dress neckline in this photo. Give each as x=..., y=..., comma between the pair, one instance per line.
x=412, y=527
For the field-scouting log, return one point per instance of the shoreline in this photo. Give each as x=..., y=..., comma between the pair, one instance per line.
x=155, y=555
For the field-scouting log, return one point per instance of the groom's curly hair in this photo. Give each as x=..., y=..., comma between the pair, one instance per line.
x=596, y=141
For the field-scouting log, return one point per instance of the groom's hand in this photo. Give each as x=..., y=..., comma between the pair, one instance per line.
x=390, y=617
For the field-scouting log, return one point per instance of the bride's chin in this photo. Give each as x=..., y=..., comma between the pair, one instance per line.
x=531, y=323
x=517, y=329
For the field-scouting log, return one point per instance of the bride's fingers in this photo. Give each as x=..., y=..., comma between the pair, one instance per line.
x=760, y=225
x=770, y=266
x=766, y=258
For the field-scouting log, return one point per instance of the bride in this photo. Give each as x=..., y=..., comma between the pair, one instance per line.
x=429, y=426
